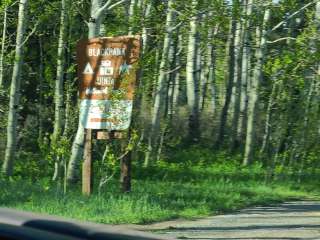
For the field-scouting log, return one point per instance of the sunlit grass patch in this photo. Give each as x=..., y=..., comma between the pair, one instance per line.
x=162, y=192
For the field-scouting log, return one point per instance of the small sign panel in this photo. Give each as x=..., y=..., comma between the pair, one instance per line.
x=107, y=72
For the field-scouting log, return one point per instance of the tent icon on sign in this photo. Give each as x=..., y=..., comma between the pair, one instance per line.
x=88, y=69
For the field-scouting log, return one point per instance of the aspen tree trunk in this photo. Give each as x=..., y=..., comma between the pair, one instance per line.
x=126, y=161
x=237, y=85
x=68, y=103
x=311, y=93
x=131, y=15
x=156, y=66
x=204, y=70
x=143, y=86
x=254, y=89
x=203, y=81
x=78, y=142
x=305, y=129
x=95, y=21
x=171, y=59
x=245, y=73
x=145, y=49
x=176, y=80
x=229, y=79
x=267, y=127
x=3, y=42
x=160, y=92
x=41, y=100
x=145, y=32
x=94, y=26
x=199, y=80
x=236, y=18
x=191, y=80
x=69, y=75
x=7, y=167
x=317, y=18
x=207, y=74
x=58, y=94
x=211, y=70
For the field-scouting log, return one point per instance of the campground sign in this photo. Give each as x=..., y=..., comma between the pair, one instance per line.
x=107, y=69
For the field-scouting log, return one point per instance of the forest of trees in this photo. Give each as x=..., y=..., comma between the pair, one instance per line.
x=238, y=76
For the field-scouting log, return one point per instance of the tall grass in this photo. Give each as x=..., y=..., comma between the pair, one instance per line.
x=173, y=189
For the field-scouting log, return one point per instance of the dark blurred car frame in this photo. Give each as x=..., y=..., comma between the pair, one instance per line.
x=20, y=225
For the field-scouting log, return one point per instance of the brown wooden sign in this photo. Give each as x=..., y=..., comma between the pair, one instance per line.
x=107, y=73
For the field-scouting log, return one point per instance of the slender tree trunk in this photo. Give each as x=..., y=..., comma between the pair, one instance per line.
x=156, y=67
x=229, y=77
x=143, y=105
x=171, y=57
x=207, y=62
x=7, y=166
x=245, y=73
x=203, y=81
x=58, y=94
x=68, y=104
x=237, y=85
x=131, y=15
x=3, y=42
x=160, y=92
x=145, y=32
x=94, y=26
x=311, y=92
x=254, y=89
x=69, y=75
x=267, y=128
x=41, y=98
x=305, y=129
x=191, y=79
x=212, y=71
x=176, y=78
x=199, y=71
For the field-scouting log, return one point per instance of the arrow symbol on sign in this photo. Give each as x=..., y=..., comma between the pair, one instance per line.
x=88, y=69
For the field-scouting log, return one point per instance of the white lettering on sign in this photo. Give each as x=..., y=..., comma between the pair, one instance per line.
x=105, y=81
x=96, y=52
x=95, y=91
x=88, y=69
x=106, y=71
x=106, y=114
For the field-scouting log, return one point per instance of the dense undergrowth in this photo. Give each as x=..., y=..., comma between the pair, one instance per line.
x=187, y=185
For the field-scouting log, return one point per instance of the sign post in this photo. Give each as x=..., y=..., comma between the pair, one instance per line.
x=107, y=72
x=87, y=164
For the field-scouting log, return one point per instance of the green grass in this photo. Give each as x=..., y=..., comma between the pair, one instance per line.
x=167, y=191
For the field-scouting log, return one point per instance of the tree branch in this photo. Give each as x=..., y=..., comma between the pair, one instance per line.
x=116, y=4
x=100, y=10
x=173, y=70
x=175, y=27
x=30, y=34
x=292, y=15
x=105, y=5
x=281, y=39
x=108, y=7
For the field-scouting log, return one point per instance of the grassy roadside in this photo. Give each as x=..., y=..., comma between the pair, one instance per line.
x=171, y=190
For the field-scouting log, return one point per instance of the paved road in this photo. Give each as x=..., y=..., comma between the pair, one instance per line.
x=292, y=220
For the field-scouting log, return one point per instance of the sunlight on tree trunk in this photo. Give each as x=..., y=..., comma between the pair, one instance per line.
x=14, y=105
x=3, y=44
x=254, y=88
x=191, y=79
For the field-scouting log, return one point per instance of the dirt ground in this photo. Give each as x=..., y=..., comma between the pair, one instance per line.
x=291, y=220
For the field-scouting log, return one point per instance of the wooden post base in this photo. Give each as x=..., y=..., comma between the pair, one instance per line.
x=87, y=164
